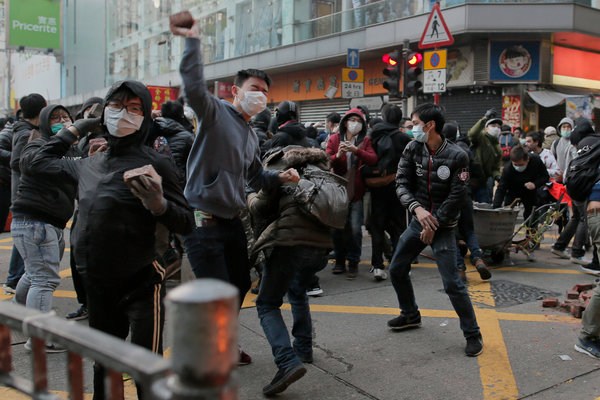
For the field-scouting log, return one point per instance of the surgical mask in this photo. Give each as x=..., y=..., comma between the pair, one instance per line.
x=523, y=141
x=565, y=133
x=494, y=131
x=354, y=127
x=55, y=128
x=253, y=102
x=420, y=135
x=519, y=168
x=410, y=133
x=121, y=123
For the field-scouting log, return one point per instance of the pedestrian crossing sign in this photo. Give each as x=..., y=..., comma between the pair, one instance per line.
x=436, y=31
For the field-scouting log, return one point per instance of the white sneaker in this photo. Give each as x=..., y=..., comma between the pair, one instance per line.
x=379, y=274
x=50, y=347
x=8, y=290
x=316, y=291
x=579, y=260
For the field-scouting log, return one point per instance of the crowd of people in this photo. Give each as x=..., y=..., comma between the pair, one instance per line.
x=222, y=184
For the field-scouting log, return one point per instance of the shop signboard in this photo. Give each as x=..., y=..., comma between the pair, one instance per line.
x=34, y=24
x=514, y=61
x=162, y=94
x=511, y=110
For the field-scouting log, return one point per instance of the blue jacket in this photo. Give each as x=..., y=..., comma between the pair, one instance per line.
x=225, y=154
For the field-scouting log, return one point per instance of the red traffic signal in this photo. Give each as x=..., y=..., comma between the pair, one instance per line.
x=391, y=58
x=414, y=58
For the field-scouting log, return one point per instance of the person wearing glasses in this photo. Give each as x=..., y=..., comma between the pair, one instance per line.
x=114, y=235
x=41, y=209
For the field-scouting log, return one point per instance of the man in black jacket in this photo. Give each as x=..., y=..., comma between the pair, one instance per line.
x=114, y=236
x=41, y=209
x=520, y=179
x=289, y=131
x=387, y=214
x=431, y=183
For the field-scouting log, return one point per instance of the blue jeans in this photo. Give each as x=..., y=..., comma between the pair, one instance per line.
x=348, y=241
x=42, y=246
x=220, y=252
x=467, y=231
x=16, y=267
x=444, y=247
x=288, y=269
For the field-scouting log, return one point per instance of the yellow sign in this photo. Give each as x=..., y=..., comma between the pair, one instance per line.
x=353, y=75
x=435, y=59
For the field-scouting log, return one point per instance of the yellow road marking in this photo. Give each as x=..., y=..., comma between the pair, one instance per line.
x=542, y=270
x=495, y=370
x=10, y=248
x=6, y=240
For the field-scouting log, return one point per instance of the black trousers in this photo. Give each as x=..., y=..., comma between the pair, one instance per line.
x=135, y=305
x=387, y=215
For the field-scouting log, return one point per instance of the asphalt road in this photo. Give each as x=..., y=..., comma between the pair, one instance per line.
x=358, y=357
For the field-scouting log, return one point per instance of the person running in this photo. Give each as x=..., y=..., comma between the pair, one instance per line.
x=431, y=183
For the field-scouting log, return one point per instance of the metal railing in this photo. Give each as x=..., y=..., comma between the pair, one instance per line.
x=202, y=322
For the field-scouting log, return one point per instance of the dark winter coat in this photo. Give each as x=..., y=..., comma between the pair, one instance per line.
x=293, y=226
x=292, y=133
x=512, y=183
x=114, y=235
x=437, y=182
x=21, y=132
x=43, y=196
x=180, y=142
x=391, y=157
x=6, y=137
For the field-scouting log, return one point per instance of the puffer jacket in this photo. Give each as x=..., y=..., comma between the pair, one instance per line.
x=487, y=149
x=180, y=141
x=292, y=226
x=437, y=182
x=6, y=136
x=21, y=132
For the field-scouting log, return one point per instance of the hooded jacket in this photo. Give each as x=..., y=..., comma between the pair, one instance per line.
x=114, y=235
x=292, y=133
x=437, y=182
x=45, y=197
x=21, y=132
x=180, y=142
x=292, y=226
x=6, y=136
x=563, y=150
x=88, y=103
x=364, y=155
x=399, y=142
x=487, y=149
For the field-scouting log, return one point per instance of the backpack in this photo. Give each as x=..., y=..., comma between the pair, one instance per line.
x=384, y=172
x=322, y=195
x=583, y=172
x=506, y=146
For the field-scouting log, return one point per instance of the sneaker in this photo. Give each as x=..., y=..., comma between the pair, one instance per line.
x=81, y=313
x=245, y=358
x=284, y=378
x=579, y=260
x=50, y=347
x=484, y=272
x=463, y=275
x=306, y=358
x=9, y=289
x=474, y=346
x=403, y=322
x=589, y=347
x=339, y=269
x=379, y=274
x=591, y=268
x=560, y=253
x=352, y=270
x=316, y=291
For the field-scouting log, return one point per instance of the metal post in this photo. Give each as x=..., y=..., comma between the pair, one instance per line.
x=405, y=48
x=202, y=318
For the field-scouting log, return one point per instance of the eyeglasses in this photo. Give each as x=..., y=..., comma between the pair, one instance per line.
x=131, y=108
x=60, y=117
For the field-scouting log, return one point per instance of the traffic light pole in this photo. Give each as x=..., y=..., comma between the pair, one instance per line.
x=405, y=51
x=436, y=96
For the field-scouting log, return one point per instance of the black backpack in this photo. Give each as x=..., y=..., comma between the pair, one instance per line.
x=583, y=172
x=386, y=158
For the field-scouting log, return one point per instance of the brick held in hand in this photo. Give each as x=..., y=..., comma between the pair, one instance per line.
x=147, y=170
x=97, y=141
x=182, y=19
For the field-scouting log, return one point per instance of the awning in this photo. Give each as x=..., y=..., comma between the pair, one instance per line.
x=548, y=98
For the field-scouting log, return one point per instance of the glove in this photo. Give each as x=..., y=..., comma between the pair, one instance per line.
x=491, y=113
x=149, y=191
x=86, y=125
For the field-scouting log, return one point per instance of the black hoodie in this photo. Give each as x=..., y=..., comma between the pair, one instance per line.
x=288, y=134
x=388, y=158
x=114, y=234
x=180, y=142
x=45, y=197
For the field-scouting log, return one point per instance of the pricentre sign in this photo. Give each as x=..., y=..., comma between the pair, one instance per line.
x=34, y=24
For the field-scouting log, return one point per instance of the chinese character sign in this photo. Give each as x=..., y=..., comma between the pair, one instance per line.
x=162, y=94
x=511, y=110
x=34, y=24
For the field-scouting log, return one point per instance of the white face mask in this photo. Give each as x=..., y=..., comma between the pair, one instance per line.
x=419, y=134
x=494, y=131
x=121, y=123
x=354, y=127
x=253, y=102
x=519, y=168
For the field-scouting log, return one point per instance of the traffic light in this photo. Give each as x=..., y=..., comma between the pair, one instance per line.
x=392, y=71
x=412, y=70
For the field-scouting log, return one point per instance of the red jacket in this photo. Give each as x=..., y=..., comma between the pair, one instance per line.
x=365, y=155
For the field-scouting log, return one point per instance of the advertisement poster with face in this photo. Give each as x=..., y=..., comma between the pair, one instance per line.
x=511, y=110
x=577, y=107
x=515, y=61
